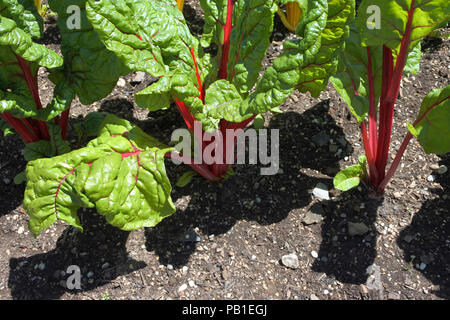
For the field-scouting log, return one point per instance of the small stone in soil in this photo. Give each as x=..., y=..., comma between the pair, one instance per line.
x=442, y=169
x=190, y=236
x=314, y=254
x=182, y=287
x=290, y=261
x=430, y=178
x=321, y=192
x=320, y=139
x=422, y=266
x=357, y=229
x=314, y=297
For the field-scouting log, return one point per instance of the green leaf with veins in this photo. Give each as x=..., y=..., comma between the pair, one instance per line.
x=24, y=13
x=432, y=126
x=425, y=16
x=121, y=173
x=90, y=70
x=318, y=68
x=19, y=54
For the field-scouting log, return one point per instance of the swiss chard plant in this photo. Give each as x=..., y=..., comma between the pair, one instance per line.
x=86, y=70
x=384, y=44
x=121, y=172
x=226, y=90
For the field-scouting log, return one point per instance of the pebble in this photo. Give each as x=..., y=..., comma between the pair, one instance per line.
x=121, y=82
x=184, y=270
x=321, y=191
x=90, y=274
x=314, y=254
x=20, y=230
x=320, y=139
x=169, y=267
x=314, y=297
x=430, y=178
x=41, y=266
x=6, y=181
x=105, y=265
x=442, y=169
x=191, y=283
x=138, y=77
x=311, y=218
x=182, y=287
x=290, y=261
x=422, y=266
x=357, y=229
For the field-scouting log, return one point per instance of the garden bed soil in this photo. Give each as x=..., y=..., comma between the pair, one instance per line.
x=226, y=241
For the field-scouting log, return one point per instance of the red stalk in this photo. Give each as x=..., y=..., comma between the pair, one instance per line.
x=386, y=114
x=401, y=59
x=395, y=163
x=200, y=168
x=19, y=127
x=63, y=123
x=373, y=136
x=223, y=72
x=31, y=81
x=373, y=174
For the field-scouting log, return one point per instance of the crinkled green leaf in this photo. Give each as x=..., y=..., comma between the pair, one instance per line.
x=24, y=14
x=152, y=36
x=252, y=25
x=426, y=15
x=90, y=70
x=156, y=96
x=412, y=64
x=280, y=79
x=121, y=173
x=318, y=68
x=19, y=52
x=222, y=101
x=352, y=81
x=432, y=127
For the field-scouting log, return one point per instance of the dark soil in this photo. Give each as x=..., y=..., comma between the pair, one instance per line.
x=239, y=230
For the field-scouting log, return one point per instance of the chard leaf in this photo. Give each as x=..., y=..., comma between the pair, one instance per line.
x=280, y=79
x=129, y=28
x=153, y=37
x=352, y=79
x=24, y=14
x=425, y=16
x=252, y=25
x=432, y=126
x=20, y=57
x=348, y=178
x=412, y=64
x=90, y=70
x=318, y=68
x=156, y=96
x=121, y=173
x=222, y=101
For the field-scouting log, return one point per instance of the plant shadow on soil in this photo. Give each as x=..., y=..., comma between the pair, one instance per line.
x=428, y=236
x=100, y=249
